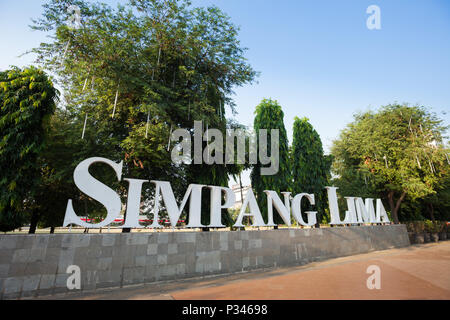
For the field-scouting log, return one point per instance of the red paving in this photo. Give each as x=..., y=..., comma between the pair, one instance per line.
x=416, y=272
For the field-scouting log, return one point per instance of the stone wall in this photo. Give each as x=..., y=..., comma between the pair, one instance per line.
x=32, y=265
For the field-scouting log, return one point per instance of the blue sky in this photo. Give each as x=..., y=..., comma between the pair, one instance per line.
x=317, y=58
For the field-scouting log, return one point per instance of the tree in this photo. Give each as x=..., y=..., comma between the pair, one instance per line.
x=27, y=100
x=240, y=167
x=57, y=162
x=269, y=115
x=398, y=151
x=437, y=204
x=136, y=73
x=310, y=168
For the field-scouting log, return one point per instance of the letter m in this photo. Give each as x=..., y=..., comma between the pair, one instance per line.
x=365, y=212
x=194, y=191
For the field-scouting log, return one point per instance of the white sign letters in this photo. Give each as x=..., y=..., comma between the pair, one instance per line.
x=358, y=210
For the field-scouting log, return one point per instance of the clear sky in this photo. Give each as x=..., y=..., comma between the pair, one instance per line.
x=316, y=57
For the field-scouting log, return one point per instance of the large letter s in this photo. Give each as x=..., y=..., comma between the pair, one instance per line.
x=97, y=191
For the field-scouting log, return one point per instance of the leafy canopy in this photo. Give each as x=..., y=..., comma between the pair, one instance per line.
x=269, y=115
x=137, y=72
x=310, y=167
x=397, y=151
x=27, y=100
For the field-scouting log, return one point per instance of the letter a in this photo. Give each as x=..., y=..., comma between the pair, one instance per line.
x=374, y=21
x=374, y=281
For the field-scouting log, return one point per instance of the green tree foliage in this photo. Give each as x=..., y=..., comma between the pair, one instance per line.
x=310, y=167
x=167, y=63
x=269, y=115
x=58, y=162
x=27, y=99
x=395, y=153
x=435, y=207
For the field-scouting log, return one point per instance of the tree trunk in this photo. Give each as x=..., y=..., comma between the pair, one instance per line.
x=52, y=230
x=391, y=201
x=432, y=212
x=395, y=207
x=319, y=216
x=317, y=225
x=33, y=223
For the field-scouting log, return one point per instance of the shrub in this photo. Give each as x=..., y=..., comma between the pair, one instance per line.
x=432, y=227
x=415, y=226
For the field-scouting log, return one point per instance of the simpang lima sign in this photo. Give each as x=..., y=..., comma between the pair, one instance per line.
x=358, y=210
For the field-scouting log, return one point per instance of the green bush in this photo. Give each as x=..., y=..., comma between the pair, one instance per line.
x=415, y=226
x=409, y=226
x=432, y=227
x=440, y=226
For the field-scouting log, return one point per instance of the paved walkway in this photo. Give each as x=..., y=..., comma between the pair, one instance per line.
x=416, y=272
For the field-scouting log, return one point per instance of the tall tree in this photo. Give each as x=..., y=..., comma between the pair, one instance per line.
x=58, y=161
x=310, y=167
x=27, y=100
x=137, y=72
x=398, y=149
x=436, y=206
x=269, y=115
